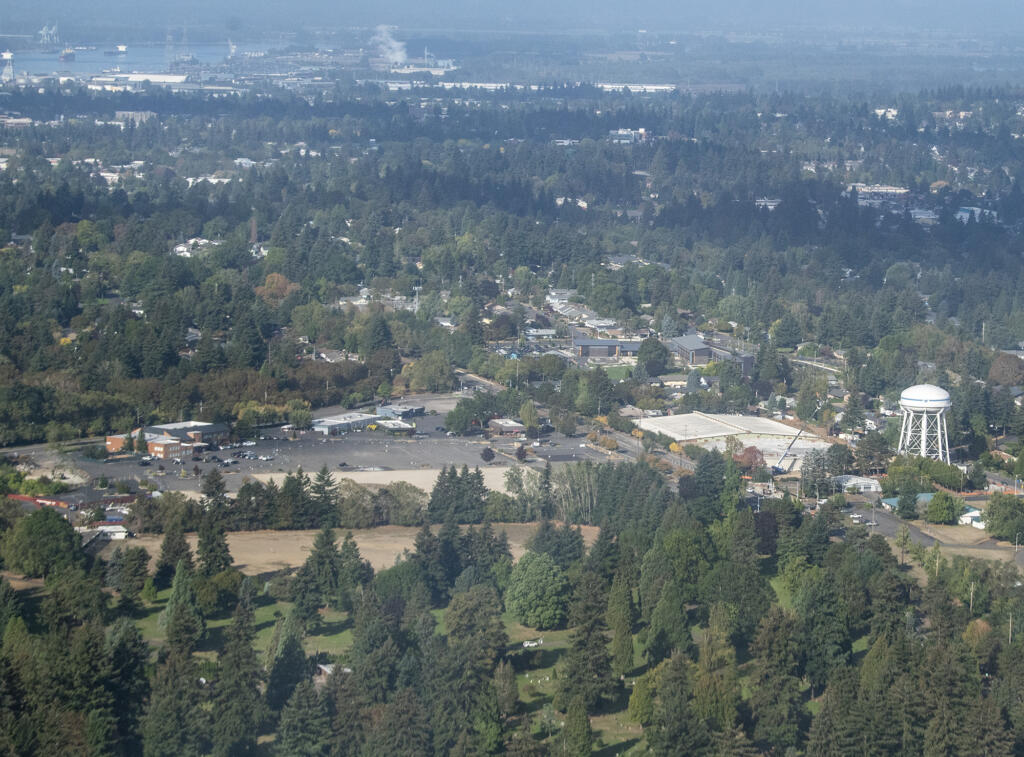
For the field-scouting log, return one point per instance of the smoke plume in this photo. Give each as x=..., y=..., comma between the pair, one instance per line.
x=388, y=47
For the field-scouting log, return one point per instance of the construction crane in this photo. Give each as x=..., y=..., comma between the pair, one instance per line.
x=777, y=468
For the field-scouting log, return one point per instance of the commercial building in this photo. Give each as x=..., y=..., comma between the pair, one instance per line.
x=400, y=411
x=395, y=426
x=506, y=427
x=171, y=440
x=340, y=424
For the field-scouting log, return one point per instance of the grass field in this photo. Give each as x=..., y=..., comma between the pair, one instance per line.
x=617, y=372
x=332, y=635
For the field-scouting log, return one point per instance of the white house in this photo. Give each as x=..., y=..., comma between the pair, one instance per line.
x=972, y=516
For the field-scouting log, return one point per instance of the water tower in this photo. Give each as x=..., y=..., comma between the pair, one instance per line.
x=924, y=422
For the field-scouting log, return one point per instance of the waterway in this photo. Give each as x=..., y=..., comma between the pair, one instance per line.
x=136, y=59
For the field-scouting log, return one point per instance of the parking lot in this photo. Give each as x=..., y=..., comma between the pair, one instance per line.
x=354, y=453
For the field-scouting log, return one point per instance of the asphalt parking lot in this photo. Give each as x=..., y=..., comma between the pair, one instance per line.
x=355, y=451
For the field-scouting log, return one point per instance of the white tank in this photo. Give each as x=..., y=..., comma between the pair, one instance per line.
x=925, y=397
x=923, y=431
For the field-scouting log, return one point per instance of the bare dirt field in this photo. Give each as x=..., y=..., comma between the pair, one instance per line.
x=423, y=478
x=258, y=552
x=953, y=535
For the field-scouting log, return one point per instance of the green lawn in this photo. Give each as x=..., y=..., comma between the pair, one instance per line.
x=616, y=372
x=785, y=599
x=333, y=635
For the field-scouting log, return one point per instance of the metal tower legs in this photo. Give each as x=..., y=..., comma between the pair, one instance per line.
x=925, y=434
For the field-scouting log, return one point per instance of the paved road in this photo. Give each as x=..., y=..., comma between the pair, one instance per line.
x=888, y=525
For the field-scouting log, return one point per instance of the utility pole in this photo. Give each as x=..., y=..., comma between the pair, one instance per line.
x=972, y=597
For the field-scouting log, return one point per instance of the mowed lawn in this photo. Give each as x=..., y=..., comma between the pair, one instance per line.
x=332, y=635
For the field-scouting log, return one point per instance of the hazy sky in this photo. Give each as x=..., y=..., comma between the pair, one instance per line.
x=996, y=16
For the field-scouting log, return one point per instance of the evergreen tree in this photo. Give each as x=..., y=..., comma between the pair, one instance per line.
x=173, y=550
x=577, y=736
x=175, y=723
x=304, y=730
x=214, y=556
x=587, y=670
x=621, y=616
x=833, y=731
x=128, y=683
x=675, y=730
x=474, y=626
x=289, y=666
x=506, y=688
x=215, y=492
x=403, y=729
x=237, y=705
x=776, y=702
x=826, y=636
x=181, y=616
x=985, y=731
x=353, y=573
x=317, y=583
x=941, y=735
x=324, y=495
x=734, y=742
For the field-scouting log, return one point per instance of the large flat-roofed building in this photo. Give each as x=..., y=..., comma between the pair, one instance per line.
x=506, y=427
x=171, y=440
x=340, y=424
x=596, y=347
x=691, y=349
x=778, y=442
x=400, y=411
x=395, y=426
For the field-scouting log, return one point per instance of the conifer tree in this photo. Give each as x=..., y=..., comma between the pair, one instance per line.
x=507, y=688
x=289, y=666
x=317, y=582
x=734, y=742
x=403, y=729
x=587, y=671
x=716, y=682
x=237, y=705
x=577, y=736
x=305, y=728
x=214, y=556
x=353, y=573
x=173, y=550
x=324, y=495
x=621, y=617
x=675, y=730
x=128, y=682
x=181, y=616
x=175, y=723
x=985, y=731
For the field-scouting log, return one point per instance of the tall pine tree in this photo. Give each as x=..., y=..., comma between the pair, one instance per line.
x=237, y=704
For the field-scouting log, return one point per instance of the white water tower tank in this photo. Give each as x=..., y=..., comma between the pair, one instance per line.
x=923, y=431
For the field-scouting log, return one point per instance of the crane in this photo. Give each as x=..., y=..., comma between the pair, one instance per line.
x=777, y=468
